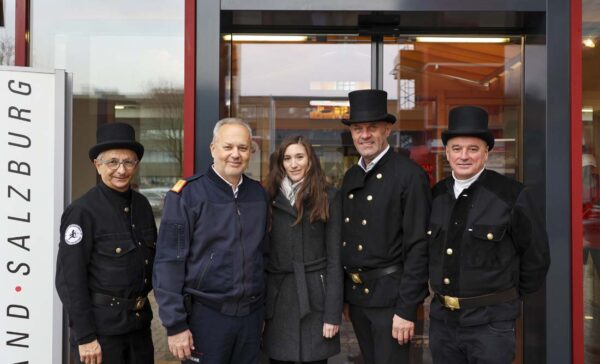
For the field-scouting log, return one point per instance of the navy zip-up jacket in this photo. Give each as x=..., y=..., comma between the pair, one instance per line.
x=213, y=246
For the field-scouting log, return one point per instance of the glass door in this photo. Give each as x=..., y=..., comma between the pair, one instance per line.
x=284, y=85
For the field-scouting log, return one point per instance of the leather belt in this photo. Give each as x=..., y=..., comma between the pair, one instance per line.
x=361, y=277
x=456, y=303
x=134, y=304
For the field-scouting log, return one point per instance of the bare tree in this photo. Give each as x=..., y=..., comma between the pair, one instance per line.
x=7, y=50
x=167, y=100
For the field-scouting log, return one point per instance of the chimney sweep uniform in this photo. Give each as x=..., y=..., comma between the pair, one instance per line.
x=487, y=248
x=105, y=259
x=384, y=248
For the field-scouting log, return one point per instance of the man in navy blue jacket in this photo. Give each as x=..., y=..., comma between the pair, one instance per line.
x=210, y=256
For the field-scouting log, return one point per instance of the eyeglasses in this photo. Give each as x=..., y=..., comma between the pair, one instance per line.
x=115, y=163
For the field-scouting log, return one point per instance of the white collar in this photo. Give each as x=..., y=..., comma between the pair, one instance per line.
x=463, y=184
x=234, y=188
x=372, y=164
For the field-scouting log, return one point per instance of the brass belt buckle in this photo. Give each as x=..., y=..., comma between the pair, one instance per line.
x=139, y=303
x=451, y=302
x=356, y=278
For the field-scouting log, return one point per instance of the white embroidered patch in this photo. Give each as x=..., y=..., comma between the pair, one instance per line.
x=73, y=234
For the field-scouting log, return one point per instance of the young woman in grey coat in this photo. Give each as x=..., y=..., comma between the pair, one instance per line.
x=304, y=286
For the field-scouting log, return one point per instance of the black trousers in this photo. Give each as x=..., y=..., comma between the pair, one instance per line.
x=492, y=343
x=132, y=348
x=222, y=339
x=373, y=329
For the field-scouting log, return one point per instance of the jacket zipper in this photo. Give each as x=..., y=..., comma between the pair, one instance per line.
x=178, y=241
x=210, y=261
x=243, y=252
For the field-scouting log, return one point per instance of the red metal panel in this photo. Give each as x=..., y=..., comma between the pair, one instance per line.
x=189, y=89
x=22, y=33
x=576, y=184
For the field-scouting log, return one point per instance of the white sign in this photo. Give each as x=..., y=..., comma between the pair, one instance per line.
x=32, y=139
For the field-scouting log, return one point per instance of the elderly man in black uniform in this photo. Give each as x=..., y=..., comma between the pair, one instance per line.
x=386, y=200
x=487, y=247
x=105, y=258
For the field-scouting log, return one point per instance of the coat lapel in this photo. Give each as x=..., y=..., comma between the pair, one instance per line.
x=282, y=203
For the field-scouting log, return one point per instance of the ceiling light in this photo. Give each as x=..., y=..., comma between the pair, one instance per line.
x=461, y=40
x=264, y=38
x=589, y=42
x=329, y=103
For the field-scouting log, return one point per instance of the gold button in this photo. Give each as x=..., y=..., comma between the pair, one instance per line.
x=347, y=220
x=343, y=243
x=446, y=280
x=118, y=250
x=490, y=236
x=351, y=196
x=429, y=232
x=369, y=198
x=379, y=176
x=126, y=209
x=360, y=247
x=449, y=251
x=364, y=222
x=366, y=291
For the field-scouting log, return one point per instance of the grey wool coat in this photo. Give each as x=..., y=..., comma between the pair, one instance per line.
x=304, y=283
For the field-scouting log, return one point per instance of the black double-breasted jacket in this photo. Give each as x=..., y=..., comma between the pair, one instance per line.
x=489, y=239
x=385, y=213
x=107, y=246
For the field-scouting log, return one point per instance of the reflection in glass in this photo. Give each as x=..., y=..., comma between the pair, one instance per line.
x=283, y=89
x=590, y=177
x=7, y=33
x=126, y=59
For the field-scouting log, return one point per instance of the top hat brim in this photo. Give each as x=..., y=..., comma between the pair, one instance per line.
x=389, y=118
x=485, y=135
x=117, y=144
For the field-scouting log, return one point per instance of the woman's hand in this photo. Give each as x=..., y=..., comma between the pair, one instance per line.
x=330, y=331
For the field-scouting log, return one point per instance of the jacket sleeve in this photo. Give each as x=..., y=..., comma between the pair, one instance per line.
x=415, y=215
x=74, y=251
x=335, y=284
x=172, y=248
x=531, y=240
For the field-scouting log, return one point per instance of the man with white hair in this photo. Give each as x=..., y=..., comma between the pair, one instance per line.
x=209, y=269
x=487, y=249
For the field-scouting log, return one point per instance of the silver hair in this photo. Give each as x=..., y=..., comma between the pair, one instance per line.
x=230, y=121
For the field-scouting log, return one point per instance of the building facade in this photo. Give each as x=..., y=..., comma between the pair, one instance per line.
x=173, y=68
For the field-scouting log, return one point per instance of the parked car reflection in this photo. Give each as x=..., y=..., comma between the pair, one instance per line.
x=156, y=197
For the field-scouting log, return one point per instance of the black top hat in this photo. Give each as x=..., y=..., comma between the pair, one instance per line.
x=367, y=106
x=116, y=136
x=468, y=121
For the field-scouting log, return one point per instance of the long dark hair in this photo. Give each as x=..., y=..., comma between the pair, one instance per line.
x=312, y=193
